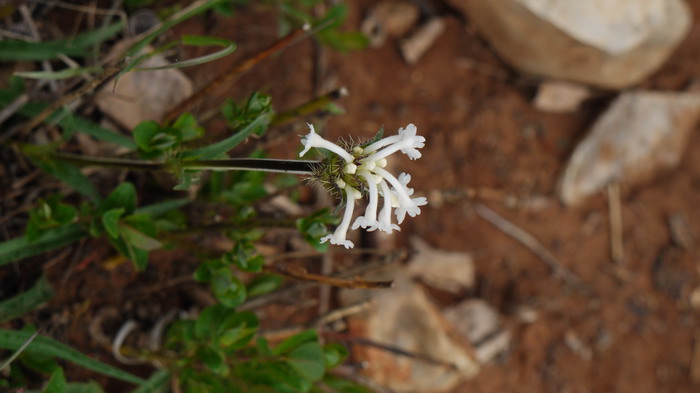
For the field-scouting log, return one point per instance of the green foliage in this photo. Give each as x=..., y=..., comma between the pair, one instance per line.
x=11, y=50
x=221, y=350
x=222, y=341
x=25, y=302
x=313, y=227
x=41, y=345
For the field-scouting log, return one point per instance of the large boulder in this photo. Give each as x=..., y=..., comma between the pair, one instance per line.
x=608, y=44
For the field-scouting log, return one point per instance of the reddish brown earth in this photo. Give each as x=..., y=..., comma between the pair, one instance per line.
x=483, y=136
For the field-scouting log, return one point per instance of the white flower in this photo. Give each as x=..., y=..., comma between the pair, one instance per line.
x=364, y=169
x=406, y=204
x=339, y=236
x=370, y=217
x=312, y=139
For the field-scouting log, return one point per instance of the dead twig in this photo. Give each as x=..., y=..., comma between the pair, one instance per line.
x=529, y=241
x=229, y=76
x=617, y=247
x=302, y=274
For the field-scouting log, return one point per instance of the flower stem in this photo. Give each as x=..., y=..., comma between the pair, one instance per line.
x=299, y=167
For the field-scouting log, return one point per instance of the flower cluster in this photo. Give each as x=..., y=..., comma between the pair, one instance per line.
x=360, y=170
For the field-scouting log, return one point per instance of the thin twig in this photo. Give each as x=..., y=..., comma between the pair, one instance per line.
x=302, y=274
x=391, y=349
x=68, y=98
x=617, y=247
x=530, y=242
x=229, y=76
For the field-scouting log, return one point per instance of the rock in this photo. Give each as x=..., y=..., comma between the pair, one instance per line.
x=610, y=44
x=415, y=46
x=481, y=324
x=560, y=97
x=405, y=319
x=640, y=134
x=144, y=95
x=389, y=19
x=445, y=270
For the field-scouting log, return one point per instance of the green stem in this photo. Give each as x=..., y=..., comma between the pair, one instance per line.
x=299, y=167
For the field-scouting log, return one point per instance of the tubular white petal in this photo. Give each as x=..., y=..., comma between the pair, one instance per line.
x=385, y=224
x=406, y=204
x=370, y=217
x=312, y=139
x=339, y=236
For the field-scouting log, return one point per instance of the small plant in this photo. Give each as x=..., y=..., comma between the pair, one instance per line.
x=220, y=350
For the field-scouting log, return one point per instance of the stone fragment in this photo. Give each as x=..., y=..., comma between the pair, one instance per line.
x=404, y=318
x=415, y=46
x=560, y=97
x=448, y=271
x=481, y=324
x=609, y=44
x=144, y=95
x=389, y=18
x=640, y=134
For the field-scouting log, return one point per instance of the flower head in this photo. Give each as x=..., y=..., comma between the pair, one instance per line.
x=360, y=170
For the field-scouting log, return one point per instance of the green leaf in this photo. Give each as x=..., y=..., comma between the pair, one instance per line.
x=229, y=47
x=62, y=74
x=157, y=383
x=213, y=359
x=160, y=208
x=18, y=351
x=57, y=383
x=67, y=173
x=20, y=248
x=27, y=301
x=209, y=321
x=334, y=354
x=11, y=50
x=138, y=239
x=227, y=288
x=123, y=196
x=295, y=341
x=110, y=220
x=341, y=385
x=12, y=340
x=264, y=283
x=84, y=387
x=308, y=361
x=218, y=149
x=144, y=134
x=238, y=329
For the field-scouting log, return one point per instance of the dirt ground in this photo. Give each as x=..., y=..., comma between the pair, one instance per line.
x=632, y=329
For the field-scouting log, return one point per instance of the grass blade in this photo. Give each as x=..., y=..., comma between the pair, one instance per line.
x=158, y=382
x=11, y=50
x=68, y=174
x=218, y=149
x=21, y=304
x=46, y=346
x=19, y=351
x=160, y=208
x=62, y=74
x=20, y=248
x=229, y=47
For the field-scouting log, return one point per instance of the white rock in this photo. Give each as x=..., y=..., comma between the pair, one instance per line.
x=449, y=271
x=481, y=324
x=640, y=134
x=405, y=318
x=610, y=44
x=144, y=95
x=560, y=97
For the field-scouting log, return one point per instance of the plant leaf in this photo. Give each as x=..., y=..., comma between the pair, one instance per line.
x=157, y=383
x=57, y=382
x=20, y=248
x=13, y=340
x=26, y=301
x=218, y=149
x=308, y=360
